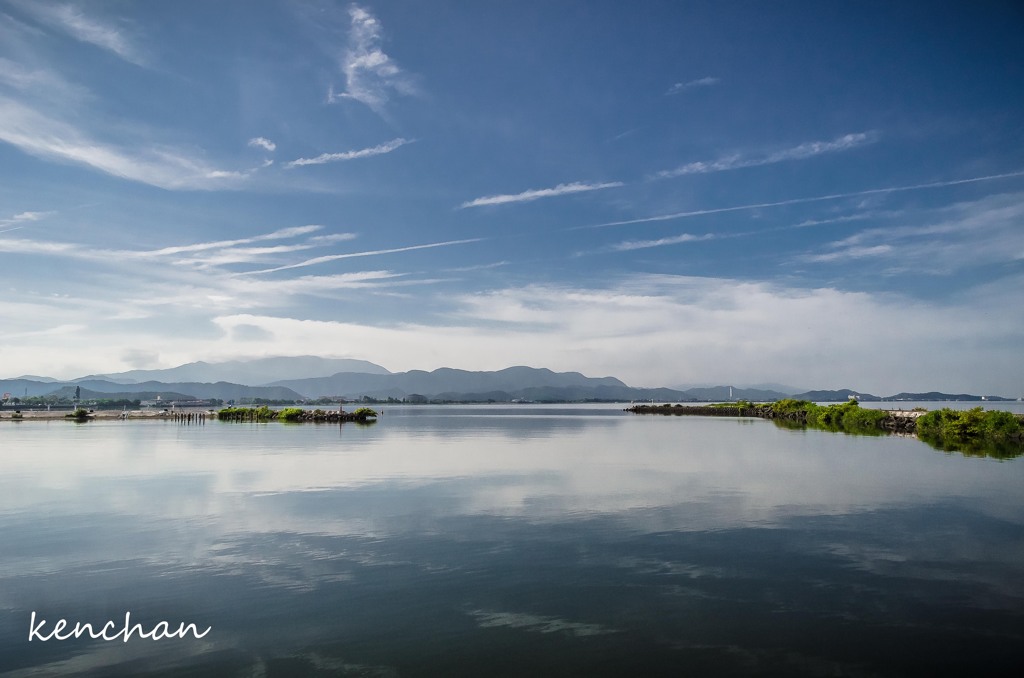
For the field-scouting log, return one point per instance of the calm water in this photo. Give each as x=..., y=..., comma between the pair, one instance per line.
x=487, y=541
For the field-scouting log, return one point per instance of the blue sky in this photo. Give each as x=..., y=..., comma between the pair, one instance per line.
x=821, y=194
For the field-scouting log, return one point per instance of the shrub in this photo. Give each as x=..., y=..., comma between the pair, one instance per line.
x=958, y=425
x=788, y=405
x=291, y=414
x=364, y=412
x=263, y=413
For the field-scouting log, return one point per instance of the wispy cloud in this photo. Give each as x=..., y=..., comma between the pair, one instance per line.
x=737, y=161
x=263, y=142
x=850, y=253
x=24, y=217
x=683, y=86
x=349, y=155
x=279, y=234
x=332, y=238
x=70, y=20
x=38, y=134
x=40, y=83
x=370, y=74
x=968, y=234
x=85, y=252
x=526, y=196
x=629, y=245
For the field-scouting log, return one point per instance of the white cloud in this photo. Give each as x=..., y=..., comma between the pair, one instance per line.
x=166, y=167
x=629, y=245
x=24, y=217
x=370, y=74
x=526, y=196
x=263, y=142
x=71, y=20
x=802, y=151
x=350, y=155
x=279, y=234
x=645, y=329
x=332, y=238
x=683, y=86
x=850, y=253
x=963, y=235
x=226, y=249
x=658, y=330
x=40, y=83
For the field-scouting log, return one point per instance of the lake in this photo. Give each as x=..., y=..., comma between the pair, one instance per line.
x=507, y=541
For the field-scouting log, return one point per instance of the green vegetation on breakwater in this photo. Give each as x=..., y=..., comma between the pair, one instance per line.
x=975, y=432
x=294, y=415
x=80, y=414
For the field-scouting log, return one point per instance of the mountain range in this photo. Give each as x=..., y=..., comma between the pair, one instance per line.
x=258, y=372
x=309, y=377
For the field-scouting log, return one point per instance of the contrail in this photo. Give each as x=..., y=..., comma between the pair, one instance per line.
x=798, y=201
x=349, y=255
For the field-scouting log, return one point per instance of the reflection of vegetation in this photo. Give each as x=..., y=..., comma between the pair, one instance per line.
x=975, y=432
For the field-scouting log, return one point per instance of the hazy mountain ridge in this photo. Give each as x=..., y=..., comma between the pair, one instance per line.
x=220, y=390
x=512, y=383
x=257, y=372
x=442, y=380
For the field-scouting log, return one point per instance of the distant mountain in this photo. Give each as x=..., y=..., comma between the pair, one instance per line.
x=20, y=388
x=221, y=389
x=725, y=393
x=443, y=380
x=783, y=389
x=305, y=378
x=525, y=383
x=85, y=394
x=772, y=386
x=260, y=371
x=33, y=377
x=842, y=395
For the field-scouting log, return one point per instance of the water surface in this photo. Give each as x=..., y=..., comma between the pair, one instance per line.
x=525, y=540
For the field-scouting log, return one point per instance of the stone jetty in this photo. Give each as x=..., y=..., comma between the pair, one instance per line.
x=896, y=421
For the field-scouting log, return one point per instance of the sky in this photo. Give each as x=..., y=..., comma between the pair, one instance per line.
x=817, y=194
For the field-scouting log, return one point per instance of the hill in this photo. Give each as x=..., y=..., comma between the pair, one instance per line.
x=256, y=372
x=443, y=380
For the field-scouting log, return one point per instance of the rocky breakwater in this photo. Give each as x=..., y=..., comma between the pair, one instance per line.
x=796, y=412
x=901, y=421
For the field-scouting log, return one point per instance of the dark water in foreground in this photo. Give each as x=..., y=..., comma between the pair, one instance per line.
x=481, y=541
